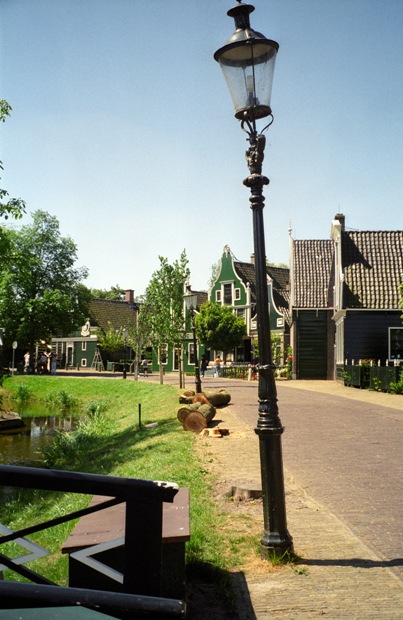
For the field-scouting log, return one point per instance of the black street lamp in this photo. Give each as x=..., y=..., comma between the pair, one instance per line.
x=191, y=304
x=247, y=60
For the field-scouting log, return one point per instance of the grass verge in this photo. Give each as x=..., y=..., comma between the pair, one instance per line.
x=109, y=441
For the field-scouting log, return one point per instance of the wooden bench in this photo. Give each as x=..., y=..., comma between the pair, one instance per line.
x=96, y=547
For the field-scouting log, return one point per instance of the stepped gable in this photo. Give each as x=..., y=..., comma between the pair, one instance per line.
x=373, y=269
x=280, y=277
x=313, y=275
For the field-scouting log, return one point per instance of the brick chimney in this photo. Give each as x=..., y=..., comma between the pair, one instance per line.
x=129, y=296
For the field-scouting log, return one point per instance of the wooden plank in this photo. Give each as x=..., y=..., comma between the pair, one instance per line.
x=109, y=524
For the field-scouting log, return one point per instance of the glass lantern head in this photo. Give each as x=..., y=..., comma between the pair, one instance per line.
x=247, y=61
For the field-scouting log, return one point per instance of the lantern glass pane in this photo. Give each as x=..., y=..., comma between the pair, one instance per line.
x=248, y=71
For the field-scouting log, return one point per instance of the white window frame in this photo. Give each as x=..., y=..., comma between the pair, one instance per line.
x=231, y=285
x=84, y=345
x=237, y=294
x=83, y=362
x=164, y=349
x=218, y=296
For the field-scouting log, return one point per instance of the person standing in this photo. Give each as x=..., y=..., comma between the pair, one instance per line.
x=53, y=363
x=203, y=365
x=217, y=365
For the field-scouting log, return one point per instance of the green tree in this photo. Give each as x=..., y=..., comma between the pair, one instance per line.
x=41, y=294
x=215, y=272
x=12, y=207
x=112, y=340
x=219, y=328
x=139, y=336
x=115, y=293
x=163, y=305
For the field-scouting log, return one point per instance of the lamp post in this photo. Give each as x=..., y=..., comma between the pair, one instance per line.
x=191, y=304
x=247, y=60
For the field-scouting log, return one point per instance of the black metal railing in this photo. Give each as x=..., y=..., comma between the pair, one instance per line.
x=143, y=540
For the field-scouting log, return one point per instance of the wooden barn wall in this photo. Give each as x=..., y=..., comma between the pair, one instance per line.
x=312, y=344
x=366, y=334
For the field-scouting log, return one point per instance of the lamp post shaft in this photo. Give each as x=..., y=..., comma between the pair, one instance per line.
x=276, y=538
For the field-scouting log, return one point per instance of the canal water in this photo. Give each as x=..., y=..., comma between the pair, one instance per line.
x=24, y=445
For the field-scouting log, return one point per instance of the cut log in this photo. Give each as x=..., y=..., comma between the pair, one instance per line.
x=200, y=398
x=183, y=411
x=218, y=399
x=195, y=421
x=185, y=400
x=208, y=411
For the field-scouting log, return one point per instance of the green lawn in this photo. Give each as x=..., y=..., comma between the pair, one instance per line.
x=109, y=442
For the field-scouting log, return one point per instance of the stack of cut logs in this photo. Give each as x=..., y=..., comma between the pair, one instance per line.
x=197, y=410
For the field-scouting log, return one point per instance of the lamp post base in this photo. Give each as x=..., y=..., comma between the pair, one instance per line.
x=276, y=545
x=276, y=540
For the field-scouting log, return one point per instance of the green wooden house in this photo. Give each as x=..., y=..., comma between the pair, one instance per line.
x=345, y=300
x=80, y=349
x=235, y=286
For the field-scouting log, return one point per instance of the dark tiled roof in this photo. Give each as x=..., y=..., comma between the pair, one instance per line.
x=118, y=313
x=202, y=297
x=312, y=273
x=280, y=277
x=373, y=268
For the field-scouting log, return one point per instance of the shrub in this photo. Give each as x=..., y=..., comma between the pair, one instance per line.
x=23, y=393
x=61, y=400
x=397, y=388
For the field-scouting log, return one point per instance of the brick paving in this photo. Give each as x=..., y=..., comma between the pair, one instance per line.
x=342, y=467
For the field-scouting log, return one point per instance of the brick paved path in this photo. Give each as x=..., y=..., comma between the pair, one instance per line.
x=342, y=463
x=347, y=455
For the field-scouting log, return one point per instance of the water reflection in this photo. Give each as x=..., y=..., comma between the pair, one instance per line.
x=24, y=445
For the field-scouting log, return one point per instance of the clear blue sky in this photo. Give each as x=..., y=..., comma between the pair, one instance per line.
x=123, y=128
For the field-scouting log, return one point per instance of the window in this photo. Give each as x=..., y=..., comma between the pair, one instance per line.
x=218, y=296
x=83, y=362
x=164, y=354
x=228, y=294
x=237, y=292
x=395, y=343
x=84, y=346
x=241, y=312
x=191, y=353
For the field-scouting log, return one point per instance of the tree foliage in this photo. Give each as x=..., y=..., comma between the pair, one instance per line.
x=163, y=304
x=41, y=294
x=219, y=328
x=12, y=207
x=215, y=272
x=115, y=293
